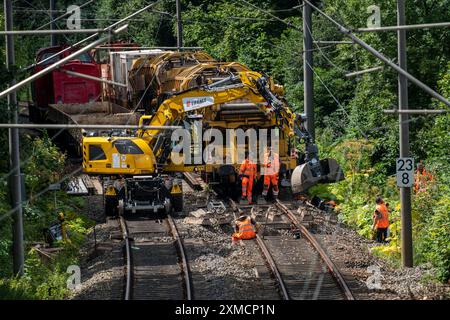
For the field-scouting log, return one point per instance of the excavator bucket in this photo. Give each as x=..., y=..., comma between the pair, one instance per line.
x=305, y=176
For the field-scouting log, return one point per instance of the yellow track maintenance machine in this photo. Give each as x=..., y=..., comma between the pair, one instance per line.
x=183, y=87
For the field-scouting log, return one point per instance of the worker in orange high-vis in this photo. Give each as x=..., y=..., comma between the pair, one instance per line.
x=246, y=228
x=247, y=173
x=421, y=178
x=381, y=220
x=270, y=170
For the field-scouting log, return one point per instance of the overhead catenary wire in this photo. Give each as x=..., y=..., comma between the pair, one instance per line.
x=270, y=14
x=63, y=15
x=381, y=57
x=324, y=55
x=107, y=29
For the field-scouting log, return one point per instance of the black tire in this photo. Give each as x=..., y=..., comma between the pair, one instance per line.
x=177, y=202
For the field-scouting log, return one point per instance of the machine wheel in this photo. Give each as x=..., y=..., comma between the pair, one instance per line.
x=167, y=206
x=177, y=202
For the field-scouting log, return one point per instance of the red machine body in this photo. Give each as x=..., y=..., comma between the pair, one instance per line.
x=60, y=87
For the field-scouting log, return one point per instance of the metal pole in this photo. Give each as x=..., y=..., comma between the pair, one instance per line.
x=52, y=22
x=405, y=27
x=86, y=126
x=332, y=42
x=405, y=193
x=149, y=48
x=61, y=62
x=379, y=56
x=51, y=32
x=15, y=182
x=179, y=25
x=308, y=85
x=358, y=73
x=417, y=111
x=85, y=76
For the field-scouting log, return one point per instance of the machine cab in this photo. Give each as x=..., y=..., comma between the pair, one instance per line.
x=109, y=156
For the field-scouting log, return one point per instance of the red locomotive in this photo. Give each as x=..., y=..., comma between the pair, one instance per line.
x=59, y=87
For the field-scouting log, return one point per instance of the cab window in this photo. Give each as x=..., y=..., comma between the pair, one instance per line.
x=127, y=147
x=96, y=152
x=47, y=55
x=84, y=57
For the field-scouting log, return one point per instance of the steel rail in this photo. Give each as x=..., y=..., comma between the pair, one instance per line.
x=129, y=274
x=268, y=257
x=194, y=183
x=186, y=270
x=273, y=266
x=331, y=266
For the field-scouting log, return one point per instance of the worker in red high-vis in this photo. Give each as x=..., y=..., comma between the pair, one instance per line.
x=247, y=173
x=270, y=170
x=381, y=220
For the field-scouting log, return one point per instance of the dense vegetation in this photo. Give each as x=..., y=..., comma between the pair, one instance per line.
x=350, y=123
x=42, y=163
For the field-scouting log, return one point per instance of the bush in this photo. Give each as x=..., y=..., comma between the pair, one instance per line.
x=45, y=165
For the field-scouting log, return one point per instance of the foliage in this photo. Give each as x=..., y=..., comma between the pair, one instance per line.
x=42, y=280
x=44, y=166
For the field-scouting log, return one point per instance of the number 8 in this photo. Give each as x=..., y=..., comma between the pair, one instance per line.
x=405, y=178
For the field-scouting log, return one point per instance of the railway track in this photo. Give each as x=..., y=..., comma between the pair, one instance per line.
x=300, y=266
x=297, y=267
x=156, y=263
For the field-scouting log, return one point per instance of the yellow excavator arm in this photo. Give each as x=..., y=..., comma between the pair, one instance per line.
x=140, y=154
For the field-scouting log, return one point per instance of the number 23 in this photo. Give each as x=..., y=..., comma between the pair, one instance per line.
x=409, y=165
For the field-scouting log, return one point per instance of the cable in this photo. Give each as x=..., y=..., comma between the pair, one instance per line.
x=270, y=14
x=323, y=54
x=64, y=15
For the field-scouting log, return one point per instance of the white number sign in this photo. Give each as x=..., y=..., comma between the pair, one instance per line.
x=405, y=172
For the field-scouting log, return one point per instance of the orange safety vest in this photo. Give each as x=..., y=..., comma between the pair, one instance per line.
x=271, y=164
x=382, y=222
x=246, y=229
x=248, y=168
x=421, y=179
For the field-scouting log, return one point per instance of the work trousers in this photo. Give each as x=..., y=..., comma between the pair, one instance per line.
x=381, y=235
x=243, y=236
x=268, y=181
x=247, y=188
